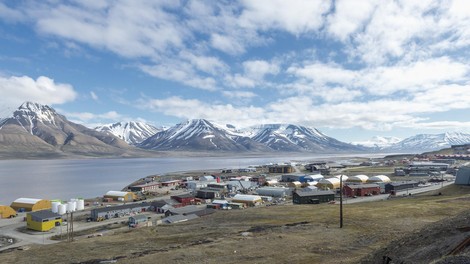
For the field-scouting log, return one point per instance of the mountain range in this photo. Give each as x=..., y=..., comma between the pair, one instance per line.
x=38, y=131
x=131, y=132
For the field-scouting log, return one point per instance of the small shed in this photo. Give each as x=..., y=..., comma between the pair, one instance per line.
x=43, y=220
x=173, y=219
x=250, y=200
x=120, y=196
x=314, y=197
x=7, y=212
x=361, y=178
x=138, y=220
x=30, y=204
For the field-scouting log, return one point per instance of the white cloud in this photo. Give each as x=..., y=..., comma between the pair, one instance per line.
x=94, y=96
x=254, y=73
x=193, y=108
x=11, y=15
x=320, y=73
x=239, y=94
x=227, y=44
x=257, y=69
x=349, y=17
x=92, y=120
x=15, y=90
x=415, y=76
x=182, y=72
x=296, y=17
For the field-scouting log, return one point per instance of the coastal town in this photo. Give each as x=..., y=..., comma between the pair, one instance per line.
x=174, y=198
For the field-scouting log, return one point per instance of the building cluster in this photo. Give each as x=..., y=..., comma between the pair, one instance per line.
x=206, y=194
x=41, y=214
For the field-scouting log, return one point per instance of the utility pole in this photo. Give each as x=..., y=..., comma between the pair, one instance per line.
x=341, y=201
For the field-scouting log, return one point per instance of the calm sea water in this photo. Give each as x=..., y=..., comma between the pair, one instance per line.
x=65, y=179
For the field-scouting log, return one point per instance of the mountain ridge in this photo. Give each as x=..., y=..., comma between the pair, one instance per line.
x=36, y=130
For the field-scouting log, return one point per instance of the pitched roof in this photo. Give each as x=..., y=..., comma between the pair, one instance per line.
x=179, y=218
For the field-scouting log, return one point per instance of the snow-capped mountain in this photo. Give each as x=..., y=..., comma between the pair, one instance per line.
x=430, y=142
x=289, y=137
x=201, y=135
x=378, y=142
x=131, y=132
x=36, y=129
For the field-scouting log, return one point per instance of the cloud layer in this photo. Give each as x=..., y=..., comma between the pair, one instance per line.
x=371, y=64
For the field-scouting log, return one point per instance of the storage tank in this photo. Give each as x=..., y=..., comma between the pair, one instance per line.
x=80, y=204
x=71, y=206
x=55, y=207
x=62, y=209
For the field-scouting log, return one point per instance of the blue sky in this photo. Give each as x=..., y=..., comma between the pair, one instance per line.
x=352, y=69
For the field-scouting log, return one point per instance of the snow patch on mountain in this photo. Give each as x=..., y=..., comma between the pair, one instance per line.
x=430, y=142
x=131, y=132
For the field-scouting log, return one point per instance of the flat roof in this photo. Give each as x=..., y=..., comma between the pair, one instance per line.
x=44, y=214
x=360, y=186
x=121, y=207
x=315, y=193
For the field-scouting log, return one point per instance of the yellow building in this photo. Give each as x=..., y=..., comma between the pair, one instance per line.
x=30, y=204
x=121, y=196
x=330, y=183
x=6, y=211
x=43, y=220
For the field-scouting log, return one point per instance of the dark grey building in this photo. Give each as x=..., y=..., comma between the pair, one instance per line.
x=313, y=197
x=400, y=186
x=118, y=211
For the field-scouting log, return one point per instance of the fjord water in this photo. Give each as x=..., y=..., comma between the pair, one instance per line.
x=87, y=178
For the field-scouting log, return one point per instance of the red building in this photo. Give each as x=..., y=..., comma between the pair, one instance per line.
x=184, y=199
x=171, y=183
x=361, y=190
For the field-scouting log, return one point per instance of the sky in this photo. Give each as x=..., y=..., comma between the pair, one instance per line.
x=352, y=69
